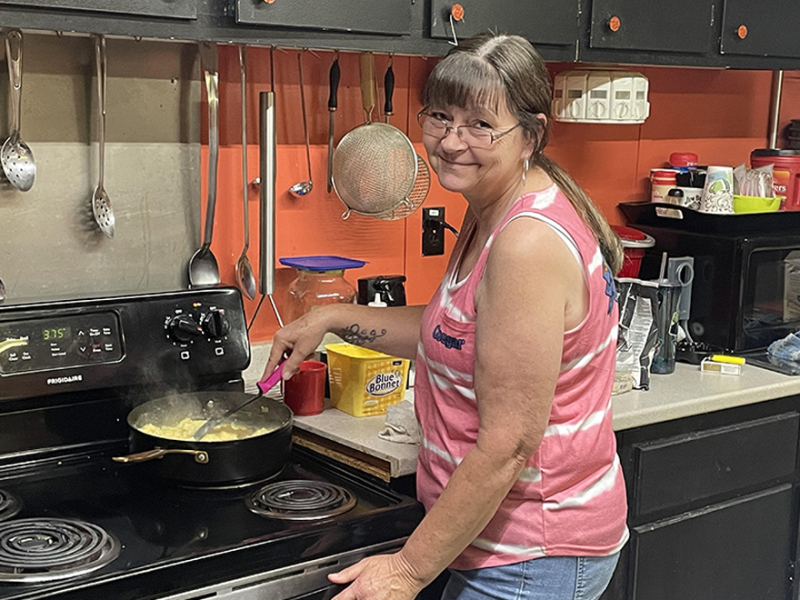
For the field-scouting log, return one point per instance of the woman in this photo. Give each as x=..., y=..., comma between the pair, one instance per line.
x=515, y=355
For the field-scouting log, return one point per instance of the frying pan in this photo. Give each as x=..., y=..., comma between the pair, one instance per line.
x=211, y=463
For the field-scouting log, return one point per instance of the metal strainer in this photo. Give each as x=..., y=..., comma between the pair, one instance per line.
x=375, y=165
x=422, y=185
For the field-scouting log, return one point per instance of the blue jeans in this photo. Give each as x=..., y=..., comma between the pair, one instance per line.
x=548, y=578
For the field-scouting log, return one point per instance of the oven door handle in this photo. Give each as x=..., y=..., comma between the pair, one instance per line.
x=200, y=456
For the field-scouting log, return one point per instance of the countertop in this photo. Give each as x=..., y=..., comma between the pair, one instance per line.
x=684, y=393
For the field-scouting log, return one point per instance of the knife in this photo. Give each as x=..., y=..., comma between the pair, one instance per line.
x=332, y=105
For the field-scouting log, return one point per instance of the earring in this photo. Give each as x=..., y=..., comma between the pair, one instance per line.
x=526, y=164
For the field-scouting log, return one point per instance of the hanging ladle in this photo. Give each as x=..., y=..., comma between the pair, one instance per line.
x=244, y=270
x=203, y=269
x=298, y=190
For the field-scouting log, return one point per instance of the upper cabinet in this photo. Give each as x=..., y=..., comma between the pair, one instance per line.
x=701, y=33
x=356, y=16
x=175, y=9
x=552, y=22
x=768, y=28
x=676, y=26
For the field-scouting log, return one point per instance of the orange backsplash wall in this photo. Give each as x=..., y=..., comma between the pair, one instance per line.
x=720, y=115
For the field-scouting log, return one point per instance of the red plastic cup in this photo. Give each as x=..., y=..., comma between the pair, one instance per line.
x=304, y=393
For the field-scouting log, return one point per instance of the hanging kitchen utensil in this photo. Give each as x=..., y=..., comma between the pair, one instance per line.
x=244, y=270
x=203, y=269
x=101, y=203
x=16, y=156
x=416, y=198
x=422, y=183
x=267, y=153
x=333, y=104
x=263, y=388
x=375, y=164
x=388, y=91
x=298, y=190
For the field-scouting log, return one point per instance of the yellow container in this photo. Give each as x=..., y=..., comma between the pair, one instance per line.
x=754, y=204
x=365, y=382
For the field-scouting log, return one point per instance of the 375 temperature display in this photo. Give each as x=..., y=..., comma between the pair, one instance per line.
x=55, y=334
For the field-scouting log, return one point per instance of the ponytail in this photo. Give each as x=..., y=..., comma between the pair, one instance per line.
x=607, y=239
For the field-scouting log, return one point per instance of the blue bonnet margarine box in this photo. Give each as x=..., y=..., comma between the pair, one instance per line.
x=364, y=382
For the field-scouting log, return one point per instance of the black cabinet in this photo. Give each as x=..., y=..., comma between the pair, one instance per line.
x=676, y=26
x=735, y=550
x=713, y=506
x=685, y=470
x=361, y=16
x=173, y=9
x=552, y=22
x=766, y=28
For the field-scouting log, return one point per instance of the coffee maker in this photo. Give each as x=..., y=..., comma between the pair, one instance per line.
x=390, y=287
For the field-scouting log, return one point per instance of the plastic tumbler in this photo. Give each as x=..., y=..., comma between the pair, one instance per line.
x=669, y=294
x=304, y=393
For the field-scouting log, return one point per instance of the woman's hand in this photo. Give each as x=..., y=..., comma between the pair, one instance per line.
x=299, y=339
x=381, y=577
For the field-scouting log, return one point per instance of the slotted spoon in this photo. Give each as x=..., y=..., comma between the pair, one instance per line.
x=101, y=203
x=16, y=156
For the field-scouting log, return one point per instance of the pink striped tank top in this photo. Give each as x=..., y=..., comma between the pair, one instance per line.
x=570, y=497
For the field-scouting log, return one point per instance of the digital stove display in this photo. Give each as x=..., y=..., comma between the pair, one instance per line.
x=57, y=343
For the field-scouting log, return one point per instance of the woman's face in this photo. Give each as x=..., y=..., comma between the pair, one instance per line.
x=477, y=172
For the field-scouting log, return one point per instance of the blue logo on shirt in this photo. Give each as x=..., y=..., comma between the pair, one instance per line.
x=611, y=289
x=447, y=340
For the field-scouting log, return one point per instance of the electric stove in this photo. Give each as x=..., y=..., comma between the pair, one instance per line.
x=74, y=524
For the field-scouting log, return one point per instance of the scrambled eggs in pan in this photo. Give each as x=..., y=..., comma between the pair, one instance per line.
x=224, y=432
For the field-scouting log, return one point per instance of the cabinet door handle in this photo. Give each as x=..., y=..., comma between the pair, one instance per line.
x=741, y=32
x=614, y=23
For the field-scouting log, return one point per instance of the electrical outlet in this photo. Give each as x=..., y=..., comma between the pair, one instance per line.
x=433, y=231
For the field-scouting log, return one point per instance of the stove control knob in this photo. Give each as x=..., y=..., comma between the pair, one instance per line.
x=215, y=324
x=184, y=328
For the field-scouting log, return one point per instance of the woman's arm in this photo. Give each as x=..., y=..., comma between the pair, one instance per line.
x=393, y=330
x=522, y=300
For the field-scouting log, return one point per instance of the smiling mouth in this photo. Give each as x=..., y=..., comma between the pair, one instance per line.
x=457, y=164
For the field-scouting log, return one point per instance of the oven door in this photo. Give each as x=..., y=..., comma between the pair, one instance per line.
x=770, y=288
x=303, y=581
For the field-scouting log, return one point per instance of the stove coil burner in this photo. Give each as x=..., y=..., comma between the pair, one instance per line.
x=38, y=550
x=300, y=500
x=9, y=505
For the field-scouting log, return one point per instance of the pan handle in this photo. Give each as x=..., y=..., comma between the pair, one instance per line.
x=199, y=455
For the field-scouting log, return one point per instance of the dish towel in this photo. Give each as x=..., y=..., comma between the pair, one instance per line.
x=786, y=353
x=401, y=424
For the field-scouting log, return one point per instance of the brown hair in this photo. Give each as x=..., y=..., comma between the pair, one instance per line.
x=490, y=68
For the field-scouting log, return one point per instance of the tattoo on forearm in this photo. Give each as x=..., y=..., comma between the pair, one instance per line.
x=355, y=335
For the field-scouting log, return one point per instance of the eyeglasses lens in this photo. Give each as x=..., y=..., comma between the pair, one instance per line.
x=472, y=136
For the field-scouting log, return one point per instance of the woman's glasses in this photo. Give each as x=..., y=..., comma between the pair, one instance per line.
x=474, y=136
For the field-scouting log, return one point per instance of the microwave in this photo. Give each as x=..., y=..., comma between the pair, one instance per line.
x=746, y=288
